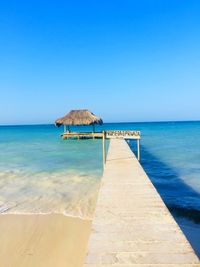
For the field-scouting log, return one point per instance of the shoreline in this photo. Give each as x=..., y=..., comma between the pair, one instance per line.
x=43, y=240
x=47, y=213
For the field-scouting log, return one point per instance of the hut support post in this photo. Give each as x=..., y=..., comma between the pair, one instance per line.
x=138, y=149
x=93, y=129
x=104, y=149
x=65, y=128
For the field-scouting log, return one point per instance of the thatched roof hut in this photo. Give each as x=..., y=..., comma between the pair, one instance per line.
x=79, y=117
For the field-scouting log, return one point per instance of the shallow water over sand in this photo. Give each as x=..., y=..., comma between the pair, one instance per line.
x=40, y=173
x=61, y=192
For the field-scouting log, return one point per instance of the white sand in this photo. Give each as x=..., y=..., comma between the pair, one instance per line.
x=42, y=240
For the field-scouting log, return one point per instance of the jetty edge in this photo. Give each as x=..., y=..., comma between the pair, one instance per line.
x=132, y=226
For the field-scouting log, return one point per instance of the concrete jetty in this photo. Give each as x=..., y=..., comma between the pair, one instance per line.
x=132, y=226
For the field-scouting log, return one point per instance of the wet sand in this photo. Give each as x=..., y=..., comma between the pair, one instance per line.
x=43, y=240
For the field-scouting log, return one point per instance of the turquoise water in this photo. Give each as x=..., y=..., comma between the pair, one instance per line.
x=40, y=173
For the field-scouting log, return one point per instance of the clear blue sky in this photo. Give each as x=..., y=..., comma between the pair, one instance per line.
x=128, y=60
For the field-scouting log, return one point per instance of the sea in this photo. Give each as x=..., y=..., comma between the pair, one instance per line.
x=41, y=173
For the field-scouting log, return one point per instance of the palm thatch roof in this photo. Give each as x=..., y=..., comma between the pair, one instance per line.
x=79, y=117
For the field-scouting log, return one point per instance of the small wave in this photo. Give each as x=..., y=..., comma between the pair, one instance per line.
x=68, y=193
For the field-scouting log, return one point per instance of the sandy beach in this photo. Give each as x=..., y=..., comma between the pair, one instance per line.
x=43, y=240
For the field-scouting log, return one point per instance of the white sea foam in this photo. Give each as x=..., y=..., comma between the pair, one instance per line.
x=45, y=193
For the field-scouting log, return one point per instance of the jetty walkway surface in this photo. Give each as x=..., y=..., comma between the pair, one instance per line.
x=132, y=226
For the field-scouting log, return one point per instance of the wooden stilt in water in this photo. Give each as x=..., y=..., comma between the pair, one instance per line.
x=138, y=149
x=93, y=127
x=104, y=149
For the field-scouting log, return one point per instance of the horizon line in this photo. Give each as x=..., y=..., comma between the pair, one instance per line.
x=125, y=122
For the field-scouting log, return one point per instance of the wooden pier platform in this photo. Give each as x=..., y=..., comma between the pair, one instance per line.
x=132, y=226
x=81, y=135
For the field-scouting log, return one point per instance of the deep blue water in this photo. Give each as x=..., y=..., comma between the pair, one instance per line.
x=34, y=160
